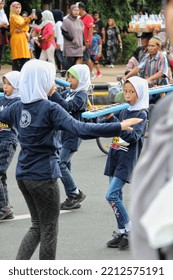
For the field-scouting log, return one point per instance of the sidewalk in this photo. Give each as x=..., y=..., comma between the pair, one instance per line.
x=108, y=74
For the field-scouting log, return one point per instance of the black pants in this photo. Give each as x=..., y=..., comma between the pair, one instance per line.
x=43, y=200
x=17, y=64
x=70, y=62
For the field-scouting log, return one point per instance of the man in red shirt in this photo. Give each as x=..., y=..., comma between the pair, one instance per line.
x=88, y=33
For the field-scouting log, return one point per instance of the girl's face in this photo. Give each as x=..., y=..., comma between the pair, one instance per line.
x=17, y=9
x=74, y=82
x=24, y=16
x=75, y=12
x=1, y=6
x=110, y=22
x=7, y=87
x=130, y=94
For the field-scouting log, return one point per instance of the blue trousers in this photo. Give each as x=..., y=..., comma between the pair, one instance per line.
x=65, y=167
x=7, y=151
x=114, y=196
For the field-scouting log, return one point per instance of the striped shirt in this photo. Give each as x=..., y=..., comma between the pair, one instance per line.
x=149, y=66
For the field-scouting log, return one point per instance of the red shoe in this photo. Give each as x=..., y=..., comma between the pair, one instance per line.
x=98, y=74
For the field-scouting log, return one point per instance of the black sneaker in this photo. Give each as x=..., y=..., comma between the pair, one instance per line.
x=80, y=197
x=70, y=203
x=114, y=243
x=5, y=212
x=73, y=202
x=10, y=216
x=124, y=242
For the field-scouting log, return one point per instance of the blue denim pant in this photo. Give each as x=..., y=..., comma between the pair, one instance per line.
x=61, y=58
x=7, y=151
x=65, y=166
x=114, y=196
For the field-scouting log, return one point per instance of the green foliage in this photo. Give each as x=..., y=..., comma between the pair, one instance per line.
x=118, y=10
x=6, y=57
x=121, y=10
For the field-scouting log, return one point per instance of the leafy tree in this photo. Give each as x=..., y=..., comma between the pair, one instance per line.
x=121, y=10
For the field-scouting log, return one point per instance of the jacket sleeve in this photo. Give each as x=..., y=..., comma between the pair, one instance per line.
x=76, y=104
x=132, y=136
x=7, y=115
x=66, y=35
x=18, y=23
x=64, y=121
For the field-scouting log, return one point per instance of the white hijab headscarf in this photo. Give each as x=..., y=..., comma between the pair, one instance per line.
x=47, y=17
x=141, y=87
x=13, y=77
x=82, y=73
x=37, y=78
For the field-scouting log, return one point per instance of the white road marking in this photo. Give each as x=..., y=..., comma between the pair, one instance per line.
x=27, y=216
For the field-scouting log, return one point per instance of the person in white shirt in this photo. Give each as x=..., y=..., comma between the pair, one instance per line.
x=58, y=17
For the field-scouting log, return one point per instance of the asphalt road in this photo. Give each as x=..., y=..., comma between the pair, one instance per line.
x=83, y=232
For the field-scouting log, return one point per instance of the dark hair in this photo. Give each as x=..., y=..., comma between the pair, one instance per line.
x=96, y=12
x=58, y=15
x=25, y=13
x=81, y=5
x=39, y=16
x=145, y=10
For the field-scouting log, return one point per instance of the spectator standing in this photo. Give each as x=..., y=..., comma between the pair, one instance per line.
x=18, y=40
x=101, y=31
x=113, y=39
x=95, y=50
x=88, y=33
x=100, y=25
x=37, y=48
x=8, y=140
x=72, y=30
x=47, y=36
x=4, y=24
x=58, y=17
x=29, y=36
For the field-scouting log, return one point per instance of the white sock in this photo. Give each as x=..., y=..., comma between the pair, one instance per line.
x=76, y=191
x=128, y=226
x=122, y=230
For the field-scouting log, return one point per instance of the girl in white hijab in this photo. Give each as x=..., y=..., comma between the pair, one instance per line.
x=47, y=17
x=11, y=78
x=123, y=155
x=43, y=81
x=46, y=36
x=75, y=102
x=8, y=140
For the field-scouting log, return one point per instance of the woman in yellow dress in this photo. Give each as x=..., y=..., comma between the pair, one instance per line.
x=18, y=39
